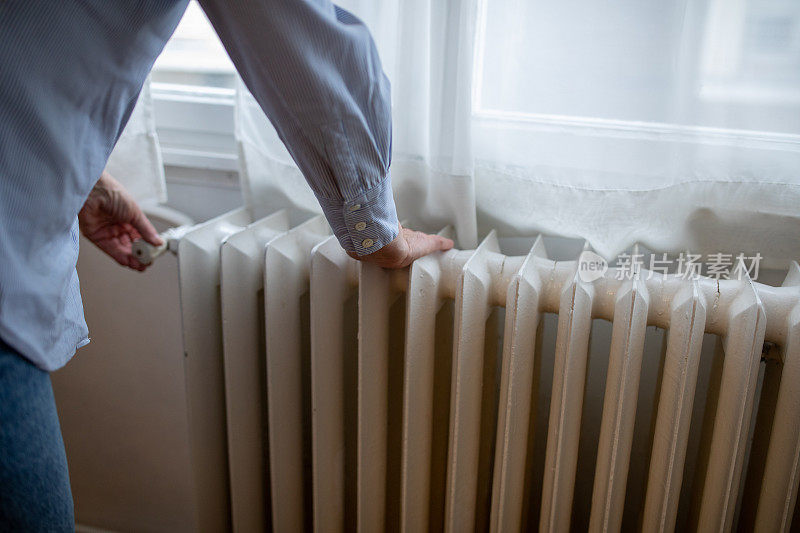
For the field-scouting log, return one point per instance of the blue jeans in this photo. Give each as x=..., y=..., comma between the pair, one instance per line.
x=34, y=482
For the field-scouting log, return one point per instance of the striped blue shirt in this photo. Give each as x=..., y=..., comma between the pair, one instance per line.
x=71, y=72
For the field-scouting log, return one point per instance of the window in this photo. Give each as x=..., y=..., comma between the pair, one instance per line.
x=732, y=64
x=193, y=84
x=194, y=56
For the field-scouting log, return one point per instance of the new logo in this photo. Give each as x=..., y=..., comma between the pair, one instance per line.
x=591, y=266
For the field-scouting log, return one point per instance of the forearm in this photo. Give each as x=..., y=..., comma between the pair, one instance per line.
x=319, y=80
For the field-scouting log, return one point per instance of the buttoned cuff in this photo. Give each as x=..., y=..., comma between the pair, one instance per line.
x=366, y=223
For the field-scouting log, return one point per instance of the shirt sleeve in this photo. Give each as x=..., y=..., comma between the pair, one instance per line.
x=314, y=70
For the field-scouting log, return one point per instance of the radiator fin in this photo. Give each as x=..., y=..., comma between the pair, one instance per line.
x=674, y=414
x=742, y=347
x=566, y=404
x=619, y=406
x=472, y=310
x=425, y=299
x=516, y=388
x=286, y=285
x=376, y=298
x=243, y=341
x=199, y=275
x=782, y=469
x=333, y=279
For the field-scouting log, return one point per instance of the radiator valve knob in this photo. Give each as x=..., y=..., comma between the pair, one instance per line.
x=146, y=253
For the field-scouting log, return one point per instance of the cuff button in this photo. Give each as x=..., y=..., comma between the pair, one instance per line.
x=354, y=207
x=361, y=226
x=366, y=243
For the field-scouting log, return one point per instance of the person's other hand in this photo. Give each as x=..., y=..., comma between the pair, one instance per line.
x=408, y=246
x=112, y=220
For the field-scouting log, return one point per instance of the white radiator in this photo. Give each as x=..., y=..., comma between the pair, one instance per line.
x=339, y=396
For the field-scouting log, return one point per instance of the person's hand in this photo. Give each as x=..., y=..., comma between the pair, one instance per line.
x=405, y=248
x=112, y=220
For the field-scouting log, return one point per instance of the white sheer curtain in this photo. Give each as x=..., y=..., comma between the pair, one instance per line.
x=673, y=124
x=136, y=159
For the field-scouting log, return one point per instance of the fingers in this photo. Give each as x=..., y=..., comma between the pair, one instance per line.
x=115, y=250
x=118, y=247
x=145, y=228
x=135, y=264
x=422, y=244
